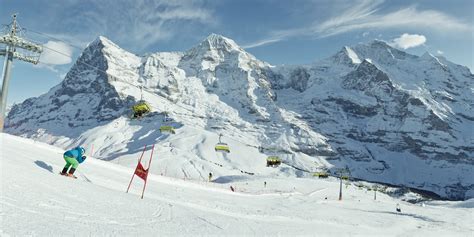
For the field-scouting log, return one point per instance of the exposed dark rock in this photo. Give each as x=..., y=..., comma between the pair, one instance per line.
x=299, y=79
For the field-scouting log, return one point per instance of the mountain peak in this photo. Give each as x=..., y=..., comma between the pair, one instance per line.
x=380, y=43
x=214, y=36
x=219, y=42
x=374, y=45
x=102, y=45
x=346, y=56
x=104, y=41
x=214, y=45
x=380, y=51
x=427, y=56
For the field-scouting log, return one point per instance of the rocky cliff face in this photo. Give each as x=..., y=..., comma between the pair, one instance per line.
x=387, y=115
x=84, y=99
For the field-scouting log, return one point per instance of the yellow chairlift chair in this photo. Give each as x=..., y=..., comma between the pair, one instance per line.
x=167, y=126
x=140, y=109
x=221, y=146
x=321, y=174
x=273, y=161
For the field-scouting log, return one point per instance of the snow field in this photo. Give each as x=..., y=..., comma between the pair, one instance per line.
x=36, y=201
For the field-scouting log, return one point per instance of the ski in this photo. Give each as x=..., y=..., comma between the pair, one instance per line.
x=65, y=174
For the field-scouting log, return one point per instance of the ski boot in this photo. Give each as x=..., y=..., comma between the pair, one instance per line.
x=63, y=172
x=71, y=173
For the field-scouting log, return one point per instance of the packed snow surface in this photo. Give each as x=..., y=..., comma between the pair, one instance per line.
x=36, y=201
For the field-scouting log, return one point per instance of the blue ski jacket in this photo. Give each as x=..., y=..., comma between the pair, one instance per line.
x=77, y=153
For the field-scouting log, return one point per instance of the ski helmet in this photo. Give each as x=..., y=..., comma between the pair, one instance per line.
x=83, y=151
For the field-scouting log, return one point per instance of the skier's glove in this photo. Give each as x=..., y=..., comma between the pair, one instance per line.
x=84, y=157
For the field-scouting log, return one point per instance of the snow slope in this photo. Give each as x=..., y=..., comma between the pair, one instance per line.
x=36, y=201
x=385, y=114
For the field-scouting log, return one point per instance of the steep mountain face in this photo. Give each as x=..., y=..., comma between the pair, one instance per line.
x=84, y=99
x=387, y=115
x=403, y=118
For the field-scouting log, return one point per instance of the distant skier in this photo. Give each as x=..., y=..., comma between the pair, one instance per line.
x=73, y=158
x=232, y=188
x=264, y=184
x=210, y=176
x=398, y=208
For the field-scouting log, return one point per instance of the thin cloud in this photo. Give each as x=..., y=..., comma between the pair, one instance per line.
x=56, y=53
x=146, y=23
x=409, y=17
x=276, y=36
x=366, y=15
x=406, y=41
x=135, y=24
x=260, y=43
x=365, y=9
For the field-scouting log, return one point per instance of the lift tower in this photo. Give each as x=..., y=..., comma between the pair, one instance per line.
x=13, y=42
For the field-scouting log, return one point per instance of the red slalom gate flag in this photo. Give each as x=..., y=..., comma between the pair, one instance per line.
x=141, y=172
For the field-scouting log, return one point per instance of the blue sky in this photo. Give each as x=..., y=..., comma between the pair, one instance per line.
x=276, y=31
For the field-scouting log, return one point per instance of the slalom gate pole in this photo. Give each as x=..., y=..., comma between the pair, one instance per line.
x=133, y=175
x=148, y=170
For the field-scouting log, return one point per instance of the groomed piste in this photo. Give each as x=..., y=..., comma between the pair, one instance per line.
x=36, y=201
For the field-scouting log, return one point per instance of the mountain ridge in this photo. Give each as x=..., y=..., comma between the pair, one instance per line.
x=369, y=107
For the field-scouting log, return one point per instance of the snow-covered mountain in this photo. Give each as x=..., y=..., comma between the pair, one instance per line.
x=387, y=115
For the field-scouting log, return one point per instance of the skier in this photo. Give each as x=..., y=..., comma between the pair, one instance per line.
x=398, y=208
x=265, y=184
x=210, y=176
x=73, y=158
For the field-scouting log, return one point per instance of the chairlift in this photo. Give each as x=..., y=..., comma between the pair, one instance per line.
x=344, y=173
x=167, y=126
x=141, y=108
x=321, y=174
x=221, y=146
x=273, y=161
